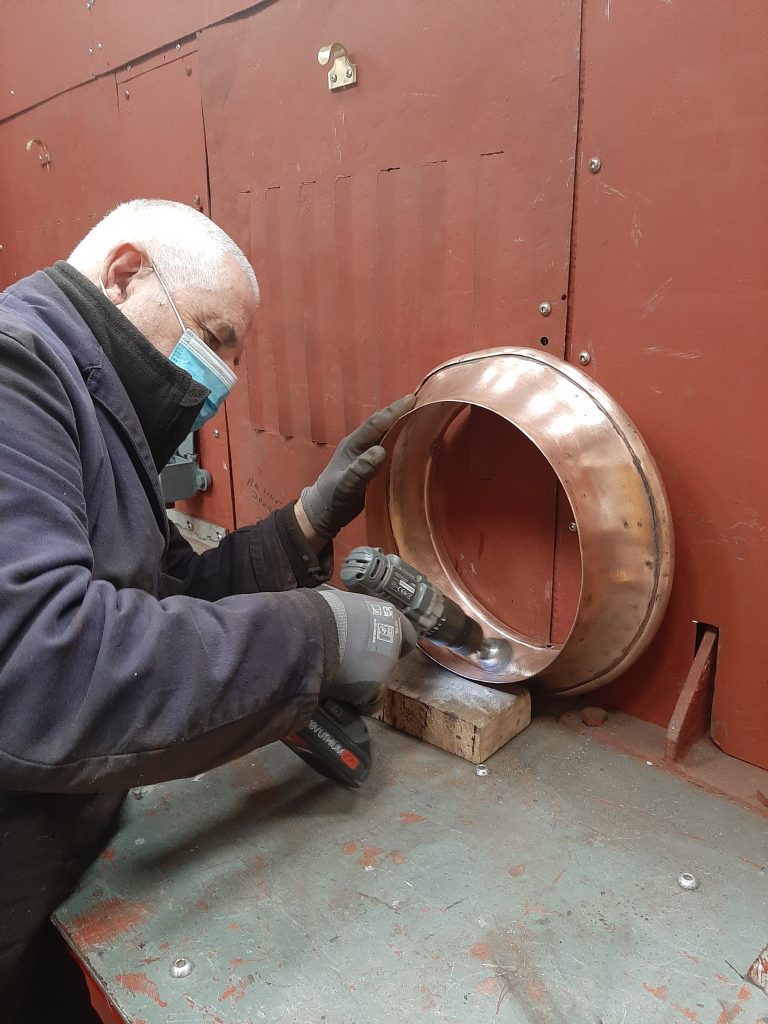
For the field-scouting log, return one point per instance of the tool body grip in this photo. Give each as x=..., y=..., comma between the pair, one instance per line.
x=335, y=743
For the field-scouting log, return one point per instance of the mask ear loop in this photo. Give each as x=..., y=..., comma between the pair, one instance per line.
x=168, y=296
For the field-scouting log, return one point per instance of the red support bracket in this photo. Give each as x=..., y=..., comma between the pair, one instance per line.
x=691, y=717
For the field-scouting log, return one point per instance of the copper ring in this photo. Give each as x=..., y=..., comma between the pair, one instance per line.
x=607, y=473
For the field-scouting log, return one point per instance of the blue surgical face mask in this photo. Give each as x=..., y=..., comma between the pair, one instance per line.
x=202, y=364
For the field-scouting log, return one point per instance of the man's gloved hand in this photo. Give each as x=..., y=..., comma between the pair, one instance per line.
x=339, y=494
x=372, y=636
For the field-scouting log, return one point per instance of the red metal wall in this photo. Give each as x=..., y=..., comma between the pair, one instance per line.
x=428, y=211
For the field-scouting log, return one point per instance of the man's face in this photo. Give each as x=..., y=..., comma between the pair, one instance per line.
x=222, y=318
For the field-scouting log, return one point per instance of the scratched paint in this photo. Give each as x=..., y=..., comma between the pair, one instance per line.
x=139, y=984
x=101, y=924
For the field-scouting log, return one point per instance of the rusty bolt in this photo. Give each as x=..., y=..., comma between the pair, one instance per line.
x=594, y=717
x=761, y=794
x=188, y=72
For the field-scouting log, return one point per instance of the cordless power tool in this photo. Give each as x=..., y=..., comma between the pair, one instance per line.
x=335, y=741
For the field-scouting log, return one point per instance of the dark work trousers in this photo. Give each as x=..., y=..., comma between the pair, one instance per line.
x=39, y=867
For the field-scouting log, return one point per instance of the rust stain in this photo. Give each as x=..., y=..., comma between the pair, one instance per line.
x=730, y=1013
x=397, y=857
x=752, y=863
x=558, y=876
x=201, y=905
x=660, y=992
x=367, y=858
x=516, y=871
x=151, y=960
x=238, y=961
x=102, y=924
x=407, y=818
x=108, y=854
x=535, y=992
x=139, y=984
x=688, y=1014
x=235, y=992
x=349, y=848
x=487, y=987
x=481, y=951
x=744, y=993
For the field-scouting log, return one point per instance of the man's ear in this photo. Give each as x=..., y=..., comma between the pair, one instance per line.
x=125, y=263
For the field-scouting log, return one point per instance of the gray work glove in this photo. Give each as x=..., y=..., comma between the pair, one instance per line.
x=339, y=494
x=373, y=635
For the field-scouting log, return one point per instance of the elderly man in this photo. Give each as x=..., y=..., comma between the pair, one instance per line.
x=126, y=658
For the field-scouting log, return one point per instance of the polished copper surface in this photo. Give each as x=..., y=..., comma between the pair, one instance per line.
x=608, y=475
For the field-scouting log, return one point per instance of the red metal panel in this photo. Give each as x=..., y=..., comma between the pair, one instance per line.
x=49, y=46
x=45, y=212
x=435, y=217
x=123, y=32
x=44, y=49
x=670, y=294
x=161, y=133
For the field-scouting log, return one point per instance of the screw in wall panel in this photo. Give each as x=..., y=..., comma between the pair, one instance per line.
x=595, y=164
x=181, y=967
x=334, y=77
x=572, y=527
x=216, y=433
x=481, y=770
x=585, y=358
x=687, y=880
x=545, y=308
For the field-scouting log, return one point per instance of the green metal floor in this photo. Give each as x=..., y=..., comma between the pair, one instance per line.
x=543, y=892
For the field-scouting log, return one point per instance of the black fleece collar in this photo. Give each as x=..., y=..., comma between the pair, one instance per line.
x=166, y=399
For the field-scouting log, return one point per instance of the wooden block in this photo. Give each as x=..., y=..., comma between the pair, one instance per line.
x=455, y=714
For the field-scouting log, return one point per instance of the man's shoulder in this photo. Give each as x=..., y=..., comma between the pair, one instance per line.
x=35, y=313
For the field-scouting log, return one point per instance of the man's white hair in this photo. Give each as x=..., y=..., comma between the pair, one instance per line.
x=188, y=249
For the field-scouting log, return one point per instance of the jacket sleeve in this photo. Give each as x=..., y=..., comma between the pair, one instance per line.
x=105, y=688
x=272, y=555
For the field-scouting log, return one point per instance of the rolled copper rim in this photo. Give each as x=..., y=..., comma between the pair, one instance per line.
x=607, y=473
